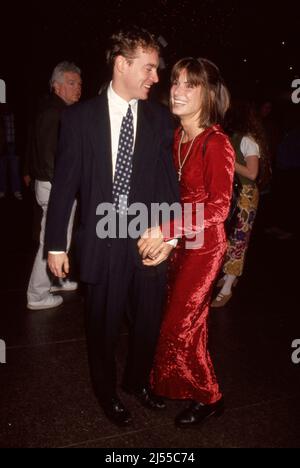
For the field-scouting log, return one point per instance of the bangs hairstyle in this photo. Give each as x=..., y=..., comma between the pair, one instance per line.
x=215, y=96
x=126, y=42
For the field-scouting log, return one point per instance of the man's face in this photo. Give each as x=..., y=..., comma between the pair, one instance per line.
x=70, y=88
x=186, y=100
x=139, y=74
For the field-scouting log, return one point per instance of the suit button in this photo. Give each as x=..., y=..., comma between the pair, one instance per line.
x=108, y=244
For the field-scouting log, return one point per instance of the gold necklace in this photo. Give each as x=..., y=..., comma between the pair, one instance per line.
x=181, y=164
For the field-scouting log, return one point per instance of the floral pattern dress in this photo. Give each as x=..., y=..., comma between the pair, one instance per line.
x=239, y=238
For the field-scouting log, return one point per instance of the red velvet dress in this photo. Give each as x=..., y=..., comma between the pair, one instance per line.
x=182, y=367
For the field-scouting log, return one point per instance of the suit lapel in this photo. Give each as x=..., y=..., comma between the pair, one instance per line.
x=144, y=140
x=101, y=141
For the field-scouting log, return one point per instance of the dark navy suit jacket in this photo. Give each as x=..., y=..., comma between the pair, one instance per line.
x=84, y=166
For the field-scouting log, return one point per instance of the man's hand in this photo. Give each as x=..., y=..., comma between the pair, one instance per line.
x=151, y=242
x=163, y=254
x=59, y=264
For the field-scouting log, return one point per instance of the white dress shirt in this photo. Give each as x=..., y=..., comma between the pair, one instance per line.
x=118, y=107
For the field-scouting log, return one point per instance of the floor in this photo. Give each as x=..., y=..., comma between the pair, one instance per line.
x=46, y=399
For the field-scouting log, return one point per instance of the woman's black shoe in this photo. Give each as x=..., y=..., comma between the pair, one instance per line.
x=196, y=413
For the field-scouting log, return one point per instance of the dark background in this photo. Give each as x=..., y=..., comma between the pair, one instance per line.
x=256, y=43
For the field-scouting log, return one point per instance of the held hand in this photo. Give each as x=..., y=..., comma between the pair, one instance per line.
x=161, y=257
x=150, y=242
x=59, y=264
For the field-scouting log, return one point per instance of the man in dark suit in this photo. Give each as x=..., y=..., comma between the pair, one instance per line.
x=117, y=144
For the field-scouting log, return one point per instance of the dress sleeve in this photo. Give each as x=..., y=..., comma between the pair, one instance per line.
x=218, y=175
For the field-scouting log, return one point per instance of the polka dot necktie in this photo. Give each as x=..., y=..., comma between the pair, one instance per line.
x=123, y=171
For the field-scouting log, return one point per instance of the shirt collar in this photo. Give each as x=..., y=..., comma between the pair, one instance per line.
x=119, y=102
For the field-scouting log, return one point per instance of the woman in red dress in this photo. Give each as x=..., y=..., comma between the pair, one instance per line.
x=204, y=160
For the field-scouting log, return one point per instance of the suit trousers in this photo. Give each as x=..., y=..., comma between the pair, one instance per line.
x=125, y=290
x=40, y=279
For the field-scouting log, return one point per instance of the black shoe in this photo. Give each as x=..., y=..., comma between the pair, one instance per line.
x=196, y=413
x=149, y=400
x=116, y=411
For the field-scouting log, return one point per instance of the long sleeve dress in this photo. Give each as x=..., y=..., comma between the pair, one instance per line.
x=182, y=367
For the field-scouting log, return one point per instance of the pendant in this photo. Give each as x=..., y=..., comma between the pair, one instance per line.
x=179, y=174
